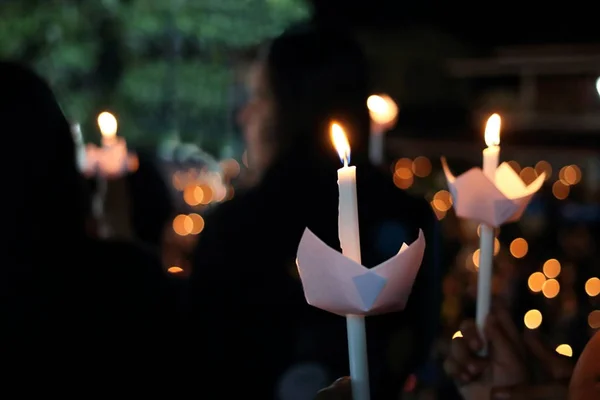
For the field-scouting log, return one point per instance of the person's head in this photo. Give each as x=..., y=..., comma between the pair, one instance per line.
x=303, y=81
x=43, y=191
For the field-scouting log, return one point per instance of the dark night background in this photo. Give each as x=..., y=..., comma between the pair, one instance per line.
x=173, y=73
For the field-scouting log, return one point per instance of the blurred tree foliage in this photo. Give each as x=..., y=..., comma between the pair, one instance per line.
x=163, y=67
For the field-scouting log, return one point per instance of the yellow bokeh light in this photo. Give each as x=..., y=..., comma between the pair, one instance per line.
x=560, y=190
x=570, y=175
x=544, y=166
x=536, y=282
x=519, y=248
x=564, y=350
x=193, y=195
x=198, y=223
x=533, y=319
x=403, y=163
x=201, y=194
x=438, y=213
x=496, y=246
x=402, y=183
x=404, y=173
x=528, y=175
x=457, y=334
x=551, y=268
x=594, y=319
x=231, y=168
x=421, y=167
x=183, y=225
x=476, y=258
x=592, y=287
x=551, y=288
x=175, y=270
x=442, y=200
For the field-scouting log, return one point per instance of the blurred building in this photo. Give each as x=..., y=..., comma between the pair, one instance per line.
x=542, y=88
x=548, y=99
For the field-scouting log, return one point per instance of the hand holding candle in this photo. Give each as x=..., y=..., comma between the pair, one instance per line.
x=111, y=160
x=338, y=283
x=492, y=196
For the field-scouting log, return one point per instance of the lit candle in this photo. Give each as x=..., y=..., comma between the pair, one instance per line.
x=108, y=128
x=383, y=111
x=105, y=163
x=350, y=243
x=113, y=154
x=486, y=244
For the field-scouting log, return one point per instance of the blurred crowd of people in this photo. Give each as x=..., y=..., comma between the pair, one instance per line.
x=108, y=313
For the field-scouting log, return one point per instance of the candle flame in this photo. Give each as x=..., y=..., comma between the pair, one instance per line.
x=340, y=142
x=382, y=108
x=107, y=124
x=492, y=130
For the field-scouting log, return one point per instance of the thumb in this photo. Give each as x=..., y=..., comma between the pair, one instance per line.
x=496, y=335
x=339, y=390
x=549, y=391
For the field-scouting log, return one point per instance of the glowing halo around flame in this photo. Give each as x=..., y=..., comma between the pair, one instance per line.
x=382, y=109
x=108, y=124
x=340, y=142
x=492, y=130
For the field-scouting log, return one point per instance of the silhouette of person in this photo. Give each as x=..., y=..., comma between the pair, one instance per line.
x=247, y=306
x=70, y=303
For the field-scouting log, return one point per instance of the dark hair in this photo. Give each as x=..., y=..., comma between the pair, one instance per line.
x=318, y=75
x=45, y=192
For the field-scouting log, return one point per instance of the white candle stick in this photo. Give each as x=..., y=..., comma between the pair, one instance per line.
x=486, y=244
x=383, y=111
x=79, y=147
x=350, y=243
x=376, y=146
